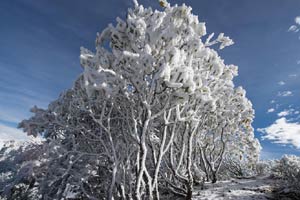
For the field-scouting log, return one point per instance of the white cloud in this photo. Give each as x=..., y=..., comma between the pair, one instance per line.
x=283, y=132
x=297, y=20
x=281, y=83
x=272, y=101
x=293, y=28
x=285, y=94
x=270, y=110
x=285, y=113
x=293, y=75
x=10, y=133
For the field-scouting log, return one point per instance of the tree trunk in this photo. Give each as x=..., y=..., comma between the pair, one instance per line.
x=190, y=182
x=214, y=177
x=189, y=193
x=112, y=184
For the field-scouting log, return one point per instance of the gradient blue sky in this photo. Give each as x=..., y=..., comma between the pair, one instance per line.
x=40, y=41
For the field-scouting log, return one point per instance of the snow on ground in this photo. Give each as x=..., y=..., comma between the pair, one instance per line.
x=237, y=189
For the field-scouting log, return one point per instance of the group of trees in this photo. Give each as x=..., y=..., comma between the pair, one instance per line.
x=154, y=113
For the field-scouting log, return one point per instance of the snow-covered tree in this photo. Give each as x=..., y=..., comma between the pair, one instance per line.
x=154, y=111
x=18, y=161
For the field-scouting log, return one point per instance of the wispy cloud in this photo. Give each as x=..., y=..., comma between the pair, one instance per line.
x=12, y=115
x=293, y=28
x=293, y=75
x=285, y=94
x=16, y=99
x=14, y=105
x=270, y=110
x=282, y=132
x=281, y=83
x=296, y=27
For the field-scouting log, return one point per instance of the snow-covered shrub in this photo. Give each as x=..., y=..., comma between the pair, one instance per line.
x=288, y=169
x=152, y=112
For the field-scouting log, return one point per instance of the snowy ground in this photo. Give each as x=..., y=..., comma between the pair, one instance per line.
x=237, y=189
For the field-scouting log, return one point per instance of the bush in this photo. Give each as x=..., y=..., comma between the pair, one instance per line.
x=288, y=169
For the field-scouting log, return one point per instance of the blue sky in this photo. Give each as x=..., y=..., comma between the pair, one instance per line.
x=39, y=56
